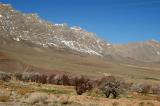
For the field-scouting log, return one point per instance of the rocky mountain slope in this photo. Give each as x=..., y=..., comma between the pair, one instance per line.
x=148, y=51
x=30, y=28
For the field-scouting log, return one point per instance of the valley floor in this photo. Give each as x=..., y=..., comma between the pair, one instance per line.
x=17, y=93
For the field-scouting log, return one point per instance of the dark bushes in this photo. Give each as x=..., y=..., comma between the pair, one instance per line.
x=82, y=84
x=18, y=76
x=109, y=85
x=155, y=89
x=50, y=79
x=42, y=79
x=5, y=76
x=66, y=80
x=59, y=79
x=72, y=80
x=62, y=79
x=33, y=77
x=26, y=77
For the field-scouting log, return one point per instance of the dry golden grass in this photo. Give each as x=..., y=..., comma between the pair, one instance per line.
x=4, y=98
x=65, y=99
x=23, y=91
x=93, y=101
x=68, y=97
x=4, y=94
x=36, y=97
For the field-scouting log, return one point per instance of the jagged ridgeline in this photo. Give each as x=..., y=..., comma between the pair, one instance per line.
x=30, y=27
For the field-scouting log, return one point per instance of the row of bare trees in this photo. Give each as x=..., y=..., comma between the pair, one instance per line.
x=109, y=85
x=58, y=79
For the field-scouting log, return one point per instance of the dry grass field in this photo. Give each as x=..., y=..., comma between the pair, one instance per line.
x=17, y=93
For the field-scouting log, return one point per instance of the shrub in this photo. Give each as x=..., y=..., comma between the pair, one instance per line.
x=58, y=80
x=155, y=89
x=18, y=76
x=72, y=80
x=141, y=88
x=65, y=79
x=4, y=76
x=50, y=79
x=34, y=77
x=109, y=85
x=82, y=84
x=26, y=76
x=96, y=92
x=42, y=79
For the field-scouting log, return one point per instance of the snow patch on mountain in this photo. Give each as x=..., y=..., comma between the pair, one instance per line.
x=30, y=27
x=76, y=28
x=59, y=24
x=71, y=44
x=108, y=44
x=153, y=40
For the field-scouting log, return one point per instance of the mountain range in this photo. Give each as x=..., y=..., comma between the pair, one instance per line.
x=27, y=36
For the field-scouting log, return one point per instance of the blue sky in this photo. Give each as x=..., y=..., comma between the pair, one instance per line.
x=117, y=21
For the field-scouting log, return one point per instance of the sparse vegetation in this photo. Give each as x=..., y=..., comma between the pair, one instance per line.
x=4, y=95
x=96, y=92
x=155, y=89
x=110, y=85
x=150, y=104
x=115, y=104
x=18, y=76
x=36, y=97
x=141, y=88
x=4, y=98
x=93, y=89
x=66, y=80
x=5, y=76
x=23, y=91
x=50, y=79
x=141, y=104
x=82, y=84
x=44, y=63
x=65, y=100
